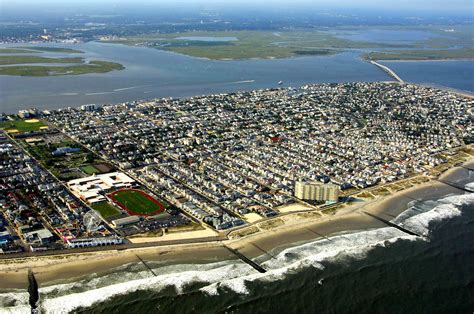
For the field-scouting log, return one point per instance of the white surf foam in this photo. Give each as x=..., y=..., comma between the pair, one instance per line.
x=470, y=186
x=132, y=87
x=243, y=82
x=99, y=93
x=238, y=82
x=235, y=275
x=444, y=209
x=15, y=302
x=314, y=254
x=179, y=280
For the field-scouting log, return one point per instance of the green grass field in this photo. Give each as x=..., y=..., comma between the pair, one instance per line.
x=17, y=50
x=251, y=44
x=136, y=202
x=288, y=43
x=27, y=65
x=77, y=69
x=8, y=60
x=21, y=126
x=53, y=49
x=105, y=209
x=90, y=170
x=451, y=54
x=38, y=50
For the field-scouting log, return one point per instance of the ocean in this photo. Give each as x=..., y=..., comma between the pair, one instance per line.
x=381, y=270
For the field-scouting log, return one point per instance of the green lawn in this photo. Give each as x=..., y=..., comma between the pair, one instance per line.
x=90, y=170
x=21, y=126
x=105, y=209
x=136, y=202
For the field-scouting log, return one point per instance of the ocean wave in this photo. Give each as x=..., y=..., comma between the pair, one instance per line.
x=15, y=302
x=349, y=246
x=179, y=280
x=442, y=209
x=314, y=254
x=235, y=275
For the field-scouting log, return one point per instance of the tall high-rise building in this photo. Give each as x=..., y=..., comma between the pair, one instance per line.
x=316, y=191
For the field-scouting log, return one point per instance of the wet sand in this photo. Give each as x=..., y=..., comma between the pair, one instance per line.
x=67, y=268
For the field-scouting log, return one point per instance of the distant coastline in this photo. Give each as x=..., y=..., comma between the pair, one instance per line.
x=153, y=69
x=20, y=62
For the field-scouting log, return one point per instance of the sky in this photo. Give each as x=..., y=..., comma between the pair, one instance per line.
x=427, y=4
x=465, y=7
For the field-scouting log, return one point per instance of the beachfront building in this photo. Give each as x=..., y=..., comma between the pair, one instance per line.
x=90, y=188
x=90, y=107
x=316, y=191
x=91, y=242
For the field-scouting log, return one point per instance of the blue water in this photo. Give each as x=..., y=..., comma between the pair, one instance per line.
x=455, y=74
x=152, y=73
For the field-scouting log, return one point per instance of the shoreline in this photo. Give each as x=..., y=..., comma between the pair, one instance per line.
x=424, y=60
x=298, y=228
x=397, y=79
x=49, y=100
x=459, y=92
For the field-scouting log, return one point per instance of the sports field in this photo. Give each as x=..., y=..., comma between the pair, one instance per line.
x=137, y=202
x=90, y=170
x=22, y=125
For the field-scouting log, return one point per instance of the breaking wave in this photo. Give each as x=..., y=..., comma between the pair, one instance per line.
x=15, y=302
x=234, y=275
x=470, y=186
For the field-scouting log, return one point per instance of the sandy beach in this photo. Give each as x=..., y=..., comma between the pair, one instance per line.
x=283, y=232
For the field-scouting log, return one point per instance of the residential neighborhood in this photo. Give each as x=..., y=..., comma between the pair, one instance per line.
x=221, y=160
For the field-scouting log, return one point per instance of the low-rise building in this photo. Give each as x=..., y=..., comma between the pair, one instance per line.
x=91, y=242
x=90, y=188
x=121, y=222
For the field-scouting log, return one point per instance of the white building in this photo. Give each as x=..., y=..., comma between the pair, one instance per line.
x=317, y=191
x=90, y=242
x=90, y=107
x=24, y=114
x=89, y=189
x=125, y=221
